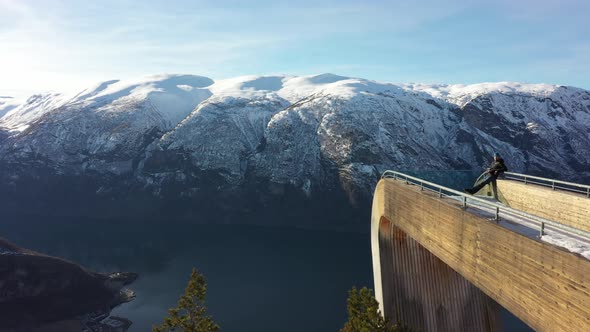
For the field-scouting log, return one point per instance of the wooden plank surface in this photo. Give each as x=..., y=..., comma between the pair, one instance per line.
x=572, y=209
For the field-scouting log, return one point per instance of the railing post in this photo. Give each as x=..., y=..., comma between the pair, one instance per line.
x=588, y=192
x=542, y=229
x=421, y=186
x=525, y=179
x=497, y=216
x=464, y=202
x=553, y=185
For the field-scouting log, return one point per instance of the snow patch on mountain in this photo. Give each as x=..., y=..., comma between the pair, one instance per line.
x=294, y=89
x=461, y=94
x=19, y=115
x=7, y=104
x=173, y=97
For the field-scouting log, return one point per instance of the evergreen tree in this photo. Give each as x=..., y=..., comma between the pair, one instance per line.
x=364, y=314
x=190, y=313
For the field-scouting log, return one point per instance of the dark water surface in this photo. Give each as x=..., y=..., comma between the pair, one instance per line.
x=260, y=278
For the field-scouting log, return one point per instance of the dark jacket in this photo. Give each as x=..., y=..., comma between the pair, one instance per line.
x=497, y=167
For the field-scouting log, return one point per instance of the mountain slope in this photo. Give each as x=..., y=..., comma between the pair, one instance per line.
x=250, y=143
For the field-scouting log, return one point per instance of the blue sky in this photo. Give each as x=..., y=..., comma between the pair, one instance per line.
x=67, y=45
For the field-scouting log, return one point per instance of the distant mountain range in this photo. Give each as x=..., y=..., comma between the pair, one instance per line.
x=189, y=143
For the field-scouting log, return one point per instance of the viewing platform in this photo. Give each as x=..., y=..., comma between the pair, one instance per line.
x=445, y=261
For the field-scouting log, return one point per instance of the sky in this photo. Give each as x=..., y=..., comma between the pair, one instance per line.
x=67, y=45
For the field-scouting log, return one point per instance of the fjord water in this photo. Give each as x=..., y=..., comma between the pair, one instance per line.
x=260, y=278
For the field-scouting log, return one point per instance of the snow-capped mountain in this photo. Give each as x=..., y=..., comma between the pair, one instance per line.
x=189, y=137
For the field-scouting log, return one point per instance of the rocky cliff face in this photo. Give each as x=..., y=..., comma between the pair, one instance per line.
x=256, y=144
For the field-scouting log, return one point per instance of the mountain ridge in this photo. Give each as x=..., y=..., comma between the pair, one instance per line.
x=453, y=93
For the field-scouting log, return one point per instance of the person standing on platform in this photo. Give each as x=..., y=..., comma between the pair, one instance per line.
x=496, y=168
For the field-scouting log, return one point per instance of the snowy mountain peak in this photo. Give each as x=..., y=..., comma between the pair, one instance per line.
x=172, y=96
x=141, y=88
x=294, y=88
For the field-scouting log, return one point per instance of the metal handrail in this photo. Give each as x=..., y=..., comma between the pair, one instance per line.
x=497, y=208
x=554, y=184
